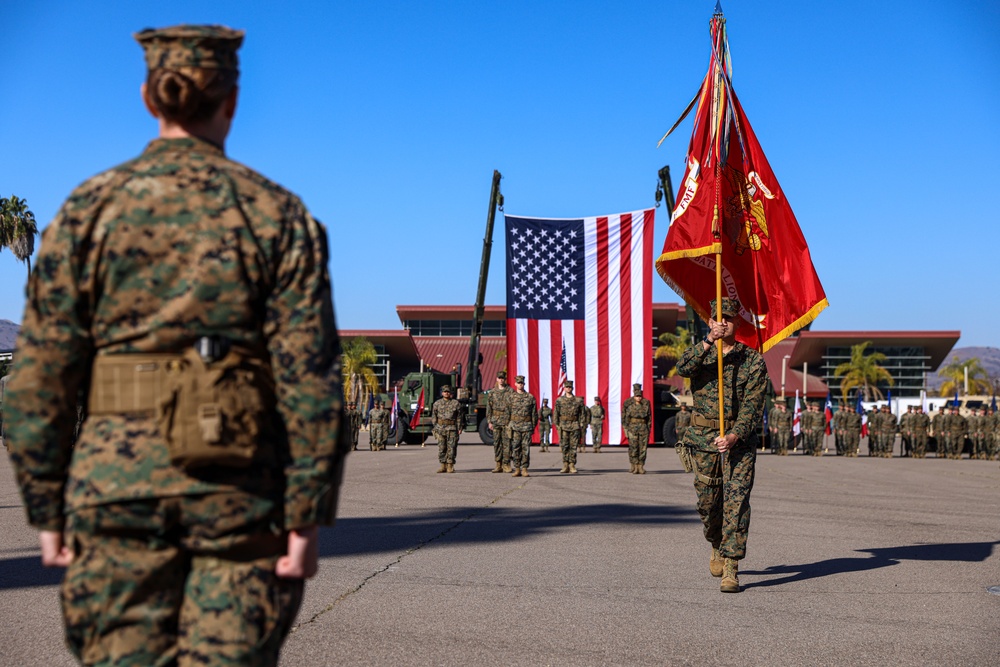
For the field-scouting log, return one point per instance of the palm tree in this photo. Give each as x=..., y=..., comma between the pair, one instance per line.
x=671, y=347
x=17, y=228
x=863, y=371
x=979, y=383
x=358, y=358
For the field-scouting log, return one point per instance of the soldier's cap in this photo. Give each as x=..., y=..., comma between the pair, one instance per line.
x=446, y=389
x=518, y=379
x=597, y=398
x=636, y=387
x=502, y=375
x=204, y=46
x=545, y=400
x=568, y=384
x=730, y=308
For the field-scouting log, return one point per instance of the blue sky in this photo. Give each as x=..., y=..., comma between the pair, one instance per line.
x=880, y=120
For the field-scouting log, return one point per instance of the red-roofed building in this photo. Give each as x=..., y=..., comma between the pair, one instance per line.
x=437, y=337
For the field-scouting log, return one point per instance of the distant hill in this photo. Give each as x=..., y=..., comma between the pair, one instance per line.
x=989, y=357
x=8, y=334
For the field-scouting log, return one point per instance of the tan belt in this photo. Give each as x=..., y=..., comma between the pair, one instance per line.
x=446, y=422
x=698, y=420
x=130, y=383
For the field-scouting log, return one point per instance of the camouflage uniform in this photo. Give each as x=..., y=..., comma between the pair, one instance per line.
x=354, y=418
x=781, y=430
x=597, y=424
x=938, y=424
x=376, y=427
x=446, y=415
x=498, y=416
x=812, y=427
x=852, y=433
x=919, y=424
x=906, y=432
x=568, y=418
x=682, y=421
x=723, y=483
x=523, y=419
x=637, y=416
x=582, y=446
x=150, y=257
x=958, y=427
x=544, y=425
x=977, y=433
x=993, y=435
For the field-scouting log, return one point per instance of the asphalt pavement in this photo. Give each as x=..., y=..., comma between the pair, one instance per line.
x=850, y=562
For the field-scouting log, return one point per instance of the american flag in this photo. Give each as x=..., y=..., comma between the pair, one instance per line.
x=579, y=303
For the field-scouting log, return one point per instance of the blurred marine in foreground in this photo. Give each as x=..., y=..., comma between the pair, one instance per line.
x=188, y=297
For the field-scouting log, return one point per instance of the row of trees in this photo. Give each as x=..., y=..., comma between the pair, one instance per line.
x=17, y=228
x=863, y=373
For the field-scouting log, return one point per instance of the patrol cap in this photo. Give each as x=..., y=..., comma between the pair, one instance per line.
x=568, y=384
x=203, y=46
x=597, y=398
x=501, y=375
x=636, y=387
x=518, y=379
x=446, y=389
x=545, y=400
x=730, y=307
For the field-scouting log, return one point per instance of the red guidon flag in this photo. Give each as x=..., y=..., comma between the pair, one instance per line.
x=419, y=410
x=729, y=201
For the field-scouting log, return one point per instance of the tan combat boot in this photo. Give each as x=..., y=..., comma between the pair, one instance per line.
x=507, y=468
x=443, y=468
x=451, y=467
x=497, y=469
x=565, y=468
x=640, y=469
x=715, y=563
x=730, y=577
x=517, y=472
x=524, y=472
x=631, y=468
x=572, y=468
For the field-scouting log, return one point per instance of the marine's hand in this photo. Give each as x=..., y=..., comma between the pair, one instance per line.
x=302, y=559
x=726, y=442
x=54, y=552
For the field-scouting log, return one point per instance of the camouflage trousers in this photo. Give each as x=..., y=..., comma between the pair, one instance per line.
x=852, y=441
x=724, y=500
x=501, y=444
x=782, y=439
x=919, y=442
x=597, y=433
x=185, y=580
x=354, y=436
x=447, y=445
x=376, y=437
x=520, y=445
x=569, y=440
x=638, y=440
x=813, y=443
x=544, y=438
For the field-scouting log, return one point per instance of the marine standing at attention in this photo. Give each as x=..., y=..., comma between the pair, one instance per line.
x=637, y=416
x=498, y=419
x=597, y=423
x=568, y=417
x=523, y=419
x=544, y=426
x=724, y=465
x=188, y=297
x=446, y=415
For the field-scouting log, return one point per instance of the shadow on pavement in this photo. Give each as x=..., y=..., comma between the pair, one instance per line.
x=27, y=572
x=969, y=552
x=484, y=525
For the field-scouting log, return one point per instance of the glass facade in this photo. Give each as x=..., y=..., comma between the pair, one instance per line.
x=453, y=327
x=908, y=366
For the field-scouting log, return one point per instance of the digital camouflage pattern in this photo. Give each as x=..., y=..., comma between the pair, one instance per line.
x=852, y=433
x=200, y=46
x=523, y=419
x=176, y=244
x=498, y=415
x=780, y=424
x=919, y=425
x=597, y=425
x=376, y=428
x=446, y=415
x=544, y=427
x=568, y=418
x=195, y=574
x=637, y=416
x=723, y=489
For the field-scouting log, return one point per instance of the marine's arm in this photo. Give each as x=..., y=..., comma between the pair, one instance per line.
x=305, y=353
x=54, y=353
x=753, y=376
